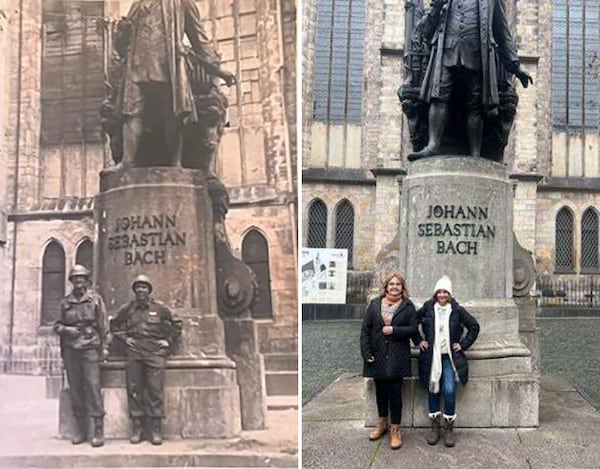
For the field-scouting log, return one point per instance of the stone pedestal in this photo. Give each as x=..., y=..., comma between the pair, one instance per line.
x=456, y=220
x=158, y=221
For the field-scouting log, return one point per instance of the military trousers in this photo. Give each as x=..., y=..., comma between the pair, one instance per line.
x=83, y=374
x=145, y=386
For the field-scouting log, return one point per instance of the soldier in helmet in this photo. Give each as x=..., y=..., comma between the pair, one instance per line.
x=148, y=329
x=82, y=328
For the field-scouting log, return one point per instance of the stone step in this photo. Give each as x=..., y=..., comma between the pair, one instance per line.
x=164, y=458
x=282, y=383
x=282, y=402
x=282, y=345
x=281, y=361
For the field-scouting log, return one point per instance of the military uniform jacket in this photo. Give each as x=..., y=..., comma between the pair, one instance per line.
x=88, y=315
x=147, y=325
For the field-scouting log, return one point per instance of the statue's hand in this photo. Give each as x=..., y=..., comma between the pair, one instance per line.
x=229, y=78
x=524, y=78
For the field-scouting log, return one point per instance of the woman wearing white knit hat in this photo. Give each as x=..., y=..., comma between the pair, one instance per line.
x=442, y=362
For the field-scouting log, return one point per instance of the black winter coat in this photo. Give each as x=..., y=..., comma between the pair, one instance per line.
x=459, y=320
x=392, y=352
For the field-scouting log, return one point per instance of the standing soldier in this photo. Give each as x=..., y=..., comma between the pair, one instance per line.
x=148, y=330
x=82, y=329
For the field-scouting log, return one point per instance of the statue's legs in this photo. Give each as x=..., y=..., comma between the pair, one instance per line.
x=438, y=115
x=174, y=139
x=133, y=127
x=473, y=81
x=474, y=132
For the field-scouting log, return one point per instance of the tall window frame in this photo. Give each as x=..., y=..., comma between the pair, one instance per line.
x=72, y=71
x=589, y=241
x=564, y=261
x=344, y=229
x=316, y=233
x=255, y=253
x=338, y=73
x=53, y=282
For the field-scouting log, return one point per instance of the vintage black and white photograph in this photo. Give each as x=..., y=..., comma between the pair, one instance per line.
x=148, y=233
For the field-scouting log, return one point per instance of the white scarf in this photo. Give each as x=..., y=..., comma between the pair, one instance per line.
x=436, y=363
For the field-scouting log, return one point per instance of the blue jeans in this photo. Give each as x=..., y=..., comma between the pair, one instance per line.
x=448, y=388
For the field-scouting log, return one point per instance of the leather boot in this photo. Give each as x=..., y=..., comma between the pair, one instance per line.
x=136, y=430
x=80, y=431
x=155, y=433
x=395, y=437
x=98, y=435
x=449, y=439
x=379, y=430
x=434, y=435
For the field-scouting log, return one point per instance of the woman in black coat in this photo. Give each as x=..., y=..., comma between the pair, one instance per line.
x=442, y=361
x=389, y=322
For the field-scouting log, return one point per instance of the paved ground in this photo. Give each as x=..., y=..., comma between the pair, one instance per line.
x=568, y=435
x=29, y=422
x=569, y=348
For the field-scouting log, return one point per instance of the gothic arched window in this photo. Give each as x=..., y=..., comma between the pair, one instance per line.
x=317, y=225
x=564, y=241
x=53, y=282
x=255, y=253
x=589, y=240
x=344, y=228
x=85, y=255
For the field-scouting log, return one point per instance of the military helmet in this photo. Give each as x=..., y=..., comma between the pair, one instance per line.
x=79, y=270
x=141, y=279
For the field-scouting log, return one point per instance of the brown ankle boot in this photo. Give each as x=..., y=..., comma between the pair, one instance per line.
x=434, y=435
x=449, y=439
x=395, y=437
x=379, y=430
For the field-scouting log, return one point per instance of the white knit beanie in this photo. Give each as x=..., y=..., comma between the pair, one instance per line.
x=443, y=284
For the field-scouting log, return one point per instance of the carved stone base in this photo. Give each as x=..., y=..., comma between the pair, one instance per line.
x=202, y=400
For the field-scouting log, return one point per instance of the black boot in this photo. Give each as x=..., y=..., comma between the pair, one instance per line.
x=155, y=433
x=80, y=432
x=136, y=430
x=98, y=435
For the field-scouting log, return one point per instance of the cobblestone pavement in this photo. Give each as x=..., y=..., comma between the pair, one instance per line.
x=569, y=349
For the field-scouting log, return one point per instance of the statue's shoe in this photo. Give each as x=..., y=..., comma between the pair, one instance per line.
x=424, y=153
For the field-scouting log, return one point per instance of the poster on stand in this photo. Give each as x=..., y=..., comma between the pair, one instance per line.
x=324, y=273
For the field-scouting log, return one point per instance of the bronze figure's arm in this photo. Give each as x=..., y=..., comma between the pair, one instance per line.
x=202, y=52
x=507, y=50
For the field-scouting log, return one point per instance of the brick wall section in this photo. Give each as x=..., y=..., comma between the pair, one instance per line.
x=524, y=214
x=33, y=236
x=525, y=133
x=387, y=211
x=273, y=224
x=309, y=14
x=373, y=82
x=289, y=55
x=549, y=203
x=544, y=76
x=28, y=91
x=362, y=199
x=5, y=28
x=5, y=284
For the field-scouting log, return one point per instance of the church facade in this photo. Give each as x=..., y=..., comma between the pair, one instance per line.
x=356, y=139
x=53, y=67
